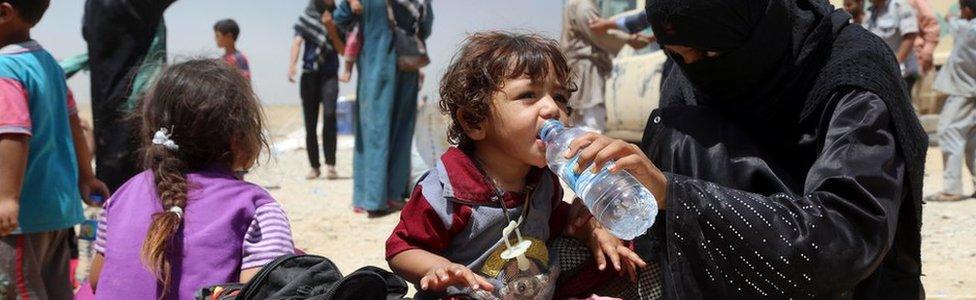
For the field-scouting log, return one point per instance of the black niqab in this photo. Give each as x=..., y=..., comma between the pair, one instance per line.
x=769, y=51
x=779, y=62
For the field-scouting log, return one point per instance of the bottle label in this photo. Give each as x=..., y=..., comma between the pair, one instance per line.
x=568, y=175
x=572, y=178
x=89, y=230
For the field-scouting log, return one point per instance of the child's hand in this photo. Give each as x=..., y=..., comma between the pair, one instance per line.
x=356, y=6
x=597, y=149
x=604, y=245
x=579, y=216
x=9, y=211
x=89, y=186
x=439, y=278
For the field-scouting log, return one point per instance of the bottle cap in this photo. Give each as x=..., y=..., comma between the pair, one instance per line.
x=549, y=127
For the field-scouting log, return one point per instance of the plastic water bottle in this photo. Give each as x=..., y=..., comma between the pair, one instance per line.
x=87, y=234
x=616, y=200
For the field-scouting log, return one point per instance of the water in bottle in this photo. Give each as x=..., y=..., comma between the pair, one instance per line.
x=616, y=200
x=87, y=234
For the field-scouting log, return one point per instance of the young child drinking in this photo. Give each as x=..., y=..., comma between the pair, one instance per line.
x=456, y=231
x=44, y=162
x=187, y=221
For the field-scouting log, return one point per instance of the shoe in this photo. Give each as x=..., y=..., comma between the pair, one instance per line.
x=392, y=206
x=943, y=197
x=313, y=173
x=331, y=173
x=396, y=204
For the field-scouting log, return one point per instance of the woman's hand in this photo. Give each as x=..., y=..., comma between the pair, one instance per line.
x=291, y=73
x=596, y=149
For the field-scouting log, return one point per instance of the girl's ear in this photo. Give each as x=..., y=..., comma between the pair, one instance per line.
x=475, y=132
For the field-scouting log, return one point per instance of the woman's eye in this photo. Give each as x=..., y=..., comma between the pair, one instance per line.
x=527, y=95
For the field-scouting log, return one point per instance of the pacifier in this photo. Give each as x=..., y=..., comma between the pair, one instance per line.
x=518, y=250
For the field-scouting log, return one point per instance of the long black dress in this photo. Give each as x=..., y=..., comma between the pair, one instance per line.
x=119, y=34
x=818, y=197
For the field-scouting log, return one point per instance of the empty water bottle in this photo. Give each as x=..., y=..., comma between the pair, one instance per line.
x=617, y=200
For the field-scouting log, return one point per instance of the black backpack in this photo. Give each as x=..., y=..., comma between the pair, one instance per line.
x=312, y=277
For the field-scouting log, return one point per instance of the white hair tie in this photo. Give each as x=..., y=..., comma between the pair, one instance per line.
x=162, y=137
x=177, y=210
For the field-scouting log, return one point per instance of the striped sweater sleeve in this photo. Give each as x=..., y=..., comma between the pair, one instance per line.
x=101, y=232
x=268, y=237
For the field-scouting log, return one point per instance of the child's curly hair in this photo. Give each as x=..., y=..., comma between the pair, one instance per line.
x=481, y=66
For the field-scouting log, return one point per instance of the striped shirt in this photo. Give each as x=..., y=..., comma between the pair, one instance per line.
x=267, y=238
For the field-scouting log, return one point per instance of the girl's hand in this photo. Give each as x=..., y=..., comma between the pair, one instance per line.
x=597, y=149
x=439, y=278
x=604, y=245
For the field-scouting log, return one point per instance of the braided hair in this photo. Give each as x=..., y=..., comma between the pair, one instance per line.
x=209, y=112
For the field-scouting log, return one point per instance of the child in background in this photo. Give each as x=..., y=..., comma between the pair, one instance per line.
x=187, y=221
x=499, y=90
x=856, y=9
x=957, y=123
x=226, y=32
x=353, y=43
x=44, y=162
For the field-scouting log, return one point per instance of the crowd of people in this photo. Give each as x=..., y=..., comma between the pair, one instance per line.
x=784, y=138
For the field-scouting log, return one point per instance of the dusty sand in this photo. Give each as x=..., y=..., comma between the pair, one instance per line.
x=323, y=221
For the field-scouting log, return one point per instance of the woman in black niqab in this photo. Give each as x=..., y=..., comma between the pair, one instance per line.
x=787, y=153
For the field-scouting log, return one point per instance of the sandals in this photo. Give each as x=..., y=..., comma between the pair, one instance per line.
x=943, y=197
x=313, y=173
x=392, y=206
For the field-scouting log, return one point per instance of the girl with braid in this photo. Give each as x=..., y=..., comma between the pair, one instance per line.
x=187, y=221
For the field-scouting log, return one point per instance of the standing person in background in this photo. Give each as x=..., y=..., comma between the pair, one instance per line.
x=387, y=99
x=44, y=162
x=226, y=32
x=957, y=123
x=589, y=56
x=319, y=85
x=856, y=9
x=126, y=41
x=928, y=35
x=895, y=22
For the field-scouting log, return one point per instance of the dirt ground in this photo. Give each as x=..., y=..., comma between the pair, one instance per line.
x=324, y=223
